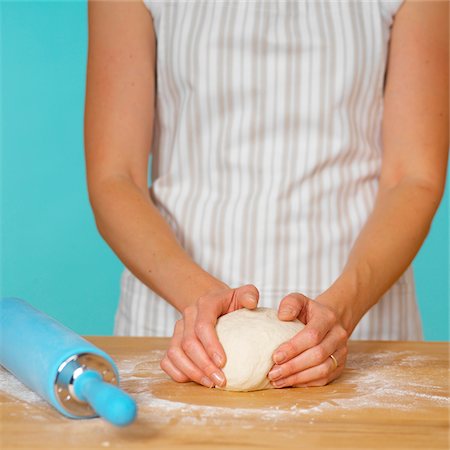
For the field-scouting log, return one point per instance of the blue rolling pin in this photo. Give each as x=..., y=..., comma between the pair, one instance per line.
x=77, y=378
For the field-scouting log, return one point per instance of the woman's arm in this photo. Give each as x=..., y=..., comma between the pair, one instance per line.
x=415, y=152
x=119, y=114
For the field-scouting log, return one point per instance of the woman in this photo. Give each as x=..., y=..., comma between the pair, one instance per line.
x=299, y=155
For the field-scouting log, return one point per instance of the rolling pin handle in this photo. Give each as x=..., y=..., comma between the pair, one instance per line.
x=107, y=400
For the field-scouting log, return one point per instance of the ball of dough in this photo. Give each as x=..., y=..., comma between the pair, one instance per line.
x=249, y=338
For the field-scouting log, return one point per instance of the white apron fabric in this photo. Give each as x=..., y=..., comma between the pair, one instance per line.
x=267, y=149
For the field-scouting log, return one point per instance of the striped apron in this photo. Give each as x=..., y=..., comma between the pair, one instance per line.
x=267, y=149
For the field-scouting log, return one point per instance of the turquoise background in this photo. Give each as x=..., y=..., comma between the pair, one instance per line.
x=51, y=252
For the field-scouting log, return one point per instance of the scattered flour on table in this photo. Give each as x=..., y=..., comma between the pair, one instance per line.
x=375, y=380
x=11, y=386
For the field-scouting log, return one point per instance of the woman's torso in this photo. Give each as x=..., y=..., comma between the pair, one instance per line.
x=267, y=149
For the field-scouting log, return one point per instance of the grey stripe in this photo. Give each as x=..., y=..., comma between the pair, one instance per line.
x=233, y=269
x=192, y=226
x=326, y=30
x=331, y=258
x=248, y=211
x=294, y=123
x=310, y=206
x=215, y=156
x=205, y=226
x=270, y=199
x=226, y=103
x=259, y=150
x=127, y=300
x=342, y=217
x=133, y=308
x=367, y=87
x=374, y=122
x=365, y=78
x=178, y=20
x=362, y=44
x=179, y=57
x=389, y=319
x=279, y=205
x=193, y=146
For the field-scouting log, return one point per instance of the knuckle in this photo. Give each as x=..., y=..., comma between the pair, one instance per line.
x=189, y=345
x=291, y=347
x=343, y=334
x=200, y=328
x=288, y=368
x=320, y=354
x=188, y=311
x=313, y=336
x=208, y=368
x=173, y=353
x=330, y=316
x=163, y=364
x=179, y=378
x=322, y=371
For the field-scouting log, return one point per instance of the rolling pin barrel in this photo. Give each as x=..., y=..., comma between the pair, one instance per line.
x=74, y=376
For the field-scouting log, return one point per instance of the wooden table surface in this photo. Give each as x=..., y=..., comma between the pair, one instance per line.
x=392, y=395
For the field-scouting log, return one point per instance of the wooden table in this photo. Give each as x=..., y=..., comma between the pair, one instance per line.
x=392, y=395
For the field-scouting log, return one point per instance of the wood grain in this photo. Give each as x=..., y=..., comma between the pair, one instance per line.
x=391, y=395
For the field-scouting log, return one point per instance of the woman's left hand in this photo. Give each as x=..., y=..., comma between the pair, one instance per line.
x=305, y=359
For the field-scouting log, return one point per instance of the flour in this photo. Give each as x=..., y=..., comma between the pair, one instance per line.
x=11, y=386
x=375, y=380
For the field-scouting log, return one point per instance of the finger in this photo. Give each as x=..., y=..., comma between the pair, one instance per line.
x=178, y=358
x=320, y=322
x=246, y=296
x=209, y=309
x=336, y=338
x=320, y=372
x=323, y=381
x=195, y=351
x=172, y=371
x=166, y=364
x=292, y=305
x=181, y=362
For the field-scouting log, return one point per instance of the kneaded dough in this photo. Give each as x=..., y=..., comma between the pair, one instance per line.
x=249, y=338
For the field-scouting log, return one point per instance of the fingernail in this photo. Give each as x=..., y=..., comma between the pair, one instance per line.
x=278, y=383
x=218, y=361
x=275, y=373
x=279, y=357
x=218, y=378
x=250, y=298
x=207, y=382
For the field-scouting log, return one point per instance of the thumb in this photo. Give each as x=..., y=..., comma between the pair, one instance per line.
x=291, y=306
x=247, y=296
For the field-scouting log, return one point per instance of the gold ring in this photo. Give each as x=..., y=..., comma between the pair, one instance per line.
x=334, y=362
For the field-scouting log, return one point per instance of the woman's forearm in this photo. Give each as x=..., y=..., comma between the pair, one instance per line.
x=133, y=227
x=386, y=246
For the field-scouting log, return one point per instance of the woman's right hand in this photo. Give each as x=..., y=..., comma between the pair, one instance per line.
x=195, y=353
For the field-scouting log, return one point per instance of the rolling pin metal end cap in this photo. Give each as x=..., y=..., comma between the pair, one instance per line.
x=66, y=376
